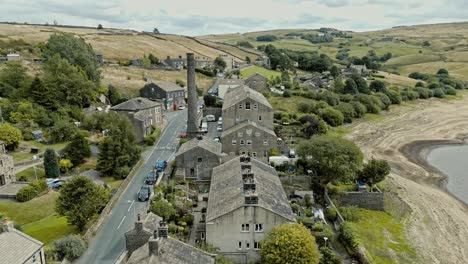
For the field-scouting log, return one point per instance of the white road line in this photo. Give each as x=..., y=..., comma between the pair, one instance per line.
x=121, y=222
x=130, y=206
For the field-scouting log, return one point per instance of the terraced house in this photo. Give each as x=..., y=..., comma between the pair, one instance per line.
x=169, y=94
x=6, y=166
x=246, y=201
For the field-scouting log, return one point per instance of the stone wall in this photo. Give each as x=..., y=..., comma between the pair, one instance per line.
x=366, y=200
x=216, y=111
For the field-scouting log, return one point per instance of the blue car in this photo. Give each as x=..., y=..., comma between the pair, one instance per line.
x=151, y=178
x=160, y=165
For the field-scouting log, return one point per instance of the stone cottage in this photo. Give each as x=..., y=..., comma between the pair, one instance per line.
x=149, y=243
x=6, y=166
x=198, y=157
x=177, y=63
x=246, y=200
x=170, y=94
x=143, y=114
x=18, y=248
x=257, y=82
x=262, y=61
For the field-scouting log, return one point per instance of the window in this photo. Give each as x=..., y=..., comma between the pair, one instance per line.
x=254, y=154
x=200, y=159
x=257, y=134
x=248, y=132
x=265, y=153
x=258, y=227
x=256, y=245
x=240, y=134
x=249, y=142
x=265, y=142
x=234, y=142
x=202, y=235
x=245, y=227
x=240, y=106
x=192, y=171
x=255, y=106
x=247, y=106
x=240, y=245
x=259, y=118
x=247, y=245
x=241, y=142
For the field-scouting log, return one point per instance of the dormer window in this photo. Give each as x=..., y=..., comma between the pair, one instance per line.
x=240, y=106
x=247, y=106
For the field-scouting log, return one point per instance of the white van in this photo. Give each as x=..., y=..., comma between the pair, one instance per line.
x=210, y=118
x=204, y=127
x=220, y=121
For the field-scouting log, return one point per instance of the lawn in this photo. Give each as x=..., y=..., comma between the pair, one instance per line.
x=246, y=72
x=30, y=174
x=287, y=104
x=38, y=218
x=20, y=156
x=112, y=182
x=383, y=237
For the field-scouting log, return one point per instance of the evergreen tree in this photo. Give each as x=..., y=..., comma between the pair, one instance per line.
x=51, y=165
x=41, y=94
x=77, y=150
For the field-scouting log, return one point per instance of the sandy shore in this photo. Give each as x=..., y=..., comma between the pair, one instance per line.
x=438, y=224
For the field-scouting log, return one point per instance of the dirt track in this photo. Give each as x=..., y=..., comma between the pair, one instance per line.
x=438, y=225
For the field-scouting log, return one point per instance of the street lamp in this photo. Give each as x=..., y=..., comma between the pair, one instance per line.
x=325, y=238
x=34, y=158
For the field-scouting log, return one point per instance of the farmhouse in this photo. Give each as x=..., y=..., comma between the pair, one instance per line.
x=257, y=82
x=246, y=200
x=143, y=114
x=171, y=94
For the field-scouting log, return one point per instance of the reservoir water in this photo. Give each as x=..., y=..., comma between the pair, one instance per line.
x=453, y=162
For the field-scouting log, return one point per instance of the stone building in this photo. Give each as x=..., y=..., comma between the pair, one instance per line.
x=203, y=62
x=143, y=114
x=198, y=157
x=262, y=61
x=229, y=61
x=171, y=94
x=246, y=200
x=257, y=82
x=245, y=104
x=150, y=243
x=13, y=57
x=176, y=63
x=6, y=166
x=18, y=248
x=249, y=138
x=226, y=84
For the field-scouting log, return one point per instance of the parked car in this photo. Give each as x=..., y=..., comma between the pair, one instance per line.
x=54, y=183
x=181, y=107
x=160, y=165
x=204, y=127
x=210, y=118
x=220, y=121
x=219, y=128
x=144, y=194
x=151, y=178
x=183, y=135
x=217, y=139
x=292, y=153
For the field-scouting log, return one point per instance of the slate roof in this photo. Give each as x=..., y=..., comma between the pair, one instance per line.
x=233, y=96
x=227, y=194
x=173, y=252
x=17, y=247
x=257, y=75
x=135, y=104
x=208, y=144
x=168, y=86
x=231, y=82
x=245, y=124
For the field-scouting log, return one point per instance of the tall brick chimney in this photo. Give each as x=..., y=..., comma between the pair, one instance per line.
x=192, y=128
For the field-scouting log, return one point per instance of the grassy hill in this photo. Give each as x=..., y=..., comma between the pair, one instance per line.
x=448, y=46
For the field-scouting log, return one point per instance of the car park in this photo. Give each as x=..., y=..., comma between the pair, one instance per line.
x=144, y=194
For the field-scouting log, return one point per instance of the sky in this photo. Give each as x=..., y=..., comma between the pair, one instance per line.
x=203, y=17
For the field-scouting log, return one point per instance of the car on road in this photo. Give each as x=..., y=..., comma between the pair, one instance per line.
x=144, y=194
x=210, y=118
x=151, y=178
x=220, y=120
x=219, y=128
x=217, y=139
x=183, y=135
x=181, y=107
x=204, y=127
x=160, y=165
x=54, y=183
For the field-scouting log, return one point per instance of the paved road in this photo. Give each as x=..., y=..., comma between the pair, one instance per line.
x=109, y=241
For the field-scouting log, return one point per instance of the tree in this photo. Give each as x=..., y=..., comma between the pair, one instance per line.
x=79, y=200
x=248, y=60
x=155, y=31
x=113, y=95
x=65, y=165
x=163, y=209
x=118, y=151
x=219, y=63
x=146, y=62
x=41, y=93
x=289, y=243
x=70, y=247
x=153, y=59
x=76, y=51
x=10, y=135
x=332, y=116
x=210, y=100
x=350, y=87
x=12, y=78
x=332, y=158
x=361, y=84
x=99, y=26
x=377, y=86
x=443, y=72
x=77, y=150
x=51, y=166
x=374, y=171
x=334, y=71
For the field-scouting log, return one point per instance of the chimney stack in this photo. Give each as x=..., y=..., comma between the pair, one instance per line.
x=153, y=245
x=7, y=225
x=139, y=224
x=192, y=128
x=162, y=230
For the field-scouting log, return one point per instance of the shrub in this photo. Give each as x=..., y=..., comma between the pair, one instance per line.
x=422, y=92
x=369, y=102
x=347, y=110
x=439, y=93
x=377, y=86
x=331, y=214
x=443, y=71
x=450, y=90
x=394, y=96
x=329, y=97
x=349, y=237
x=419, y=84
x=332, y=116
x=286, y=94
x=349, y=214
x=26, y=193
x=328, y=256
x=385, y=100
x=359, y=109
x=434, y=85
x=70, y=247
x=304, y=108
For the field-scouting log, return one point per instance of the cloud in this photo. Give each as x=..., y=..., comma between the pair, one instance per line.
x=199, y=17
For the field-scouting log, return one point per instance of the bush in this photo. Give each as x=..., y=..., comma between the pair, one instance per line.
x=286, y=94
x=26, y=193
x=423, y=93
x=348, y=214
x=347, y=110
x=359, y=108
x=304, y=108
x=70, y=247
x=205, y=72
x=439, y=93
x=62, y=131
x=394, y=96
x=385, y=100
x=369, y=102
x=348, y=236
x=329, y=257
x=331, y=214
x=450, y=90
x=419, y=84
x=332, y=116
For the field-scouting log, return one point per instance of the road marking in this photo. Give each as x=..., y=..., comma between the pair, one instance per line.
x=121, y=222
x=130, y=206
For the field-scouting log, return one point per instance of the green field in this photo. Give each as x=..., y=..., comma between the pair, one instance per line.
x=383, y=237
x=30, y=174
x=38, y=218
x=246, y=72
